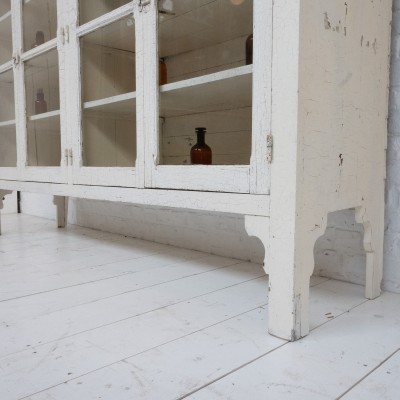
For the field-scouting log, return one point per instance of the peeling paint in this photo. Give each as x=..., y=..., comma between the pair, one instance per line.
x=326, y=21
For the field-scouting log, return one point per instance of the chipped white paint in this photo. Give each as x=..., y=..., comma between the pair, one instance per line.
x=319, y=87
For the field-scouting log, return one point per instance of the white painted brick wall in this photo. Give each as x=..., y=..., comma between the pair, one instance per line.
x=338, y=254
x=391, y=279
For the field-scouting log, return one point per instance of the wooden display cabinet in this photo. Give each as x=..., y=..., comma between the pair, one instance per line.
x=297, y=132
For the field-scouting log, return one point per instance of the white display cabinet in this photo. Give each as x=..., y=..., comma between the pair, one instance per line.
x=100, y=100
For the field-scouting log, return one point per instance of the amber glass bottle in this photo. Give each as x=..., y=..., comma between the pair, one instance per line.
x=40, y=102
x=39, y=39
x=249, y=50
x=200, y=153
x=163, y=72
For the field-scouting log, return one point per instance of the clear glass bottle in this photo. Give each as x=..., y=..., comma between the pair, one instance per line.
x=40, y=102
x=249, y=50
x=163, y=76
x=200, y=153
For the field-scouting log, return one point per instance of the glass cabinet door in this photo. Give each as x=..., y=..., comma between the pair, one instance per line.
x=205, y=51
x=106, y=49
x=40, y=110
x=203, y=86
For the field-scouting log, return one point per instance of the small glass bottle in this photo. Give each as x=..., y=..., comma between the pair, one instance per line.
x=162, y=72
x=39, y=39
x=200, y=153
x=40, y=102
x=249, y=50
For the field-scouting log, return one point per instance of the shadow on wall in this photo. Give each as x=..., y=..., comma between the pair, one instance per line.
x=215, y=233
x=339, y=253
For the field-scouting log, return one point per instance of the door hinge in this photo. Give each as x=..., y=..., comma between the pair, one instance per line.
x=143, y=4
x=70, y=156
x=270, y=143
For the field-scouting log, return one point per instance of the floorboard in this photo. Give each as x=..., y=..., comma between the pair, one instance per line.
x=88, y=315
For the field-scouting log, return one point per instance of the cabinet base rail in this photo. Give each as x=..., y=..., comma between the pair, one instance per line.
x=289, y=267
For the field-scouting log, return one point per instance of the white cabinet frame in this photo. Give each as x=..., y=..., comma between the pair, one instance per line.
x=320, y=89
x=35, y=173
x=105, y=176
x=253, y=178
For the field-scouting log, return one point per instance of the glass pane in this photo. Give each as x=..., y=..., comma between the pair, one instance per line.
x=7, y=108
x=8, y=148
x=91, y=9
x=42, y=84
x=42, y=106
x=108, y=92
x=205, y=48
x=40, y=22
x=5, y=32
x=108, y=61
x=44, y=142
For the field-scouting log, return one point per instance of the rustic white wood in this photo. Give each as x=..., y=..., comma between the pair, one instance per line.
x=3, y=193
x=331, y=154
x=220, y=202
x=383, y=383
x=318, y=89
x=61, y=203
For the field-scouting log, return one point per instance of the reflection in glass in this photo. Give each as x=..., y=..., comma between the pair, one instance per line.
x=42, y=83
x=44, y=142
x=39, y=22
x=108, y=70
x=91, y=9
x=5, y=32
x=8, y=148
x=205, y=47
x=7, y=108
x=42, y=89
x=109, y=139
x=108, y=60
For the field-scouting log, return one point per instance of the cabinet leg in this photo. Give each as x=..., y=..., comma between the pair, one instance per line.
x=61, y=203
x=291, y=259
x=3, y=193
x=373, y=246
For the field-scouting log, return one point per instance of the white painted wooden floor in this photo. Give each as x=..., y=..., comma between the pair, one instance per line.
x=91, y=315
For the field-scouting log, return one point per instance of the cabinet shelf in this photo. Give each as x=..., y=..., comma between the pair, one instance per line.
x=5, y=16
x=7, y=123
x=47, y=115
x=120, y=104
x=219, y=91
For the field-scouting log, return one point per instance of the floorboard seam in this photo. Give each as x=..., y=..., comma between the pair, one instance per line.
x=135, y=316
x=368, y=374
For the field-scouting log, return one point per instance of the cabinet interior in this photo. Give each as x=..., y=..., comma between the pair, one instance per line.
x=39, y=16
x=108, y=85
x=203, y=44
x=43, y=125
x=5, y=32
x=8, y=148
x=91, y=9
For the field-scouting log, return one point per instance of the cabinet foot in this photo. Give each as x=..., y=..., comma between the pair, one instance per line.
x=3, y=193
x=373, y=246
x=259, y=227
x=61, y=202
